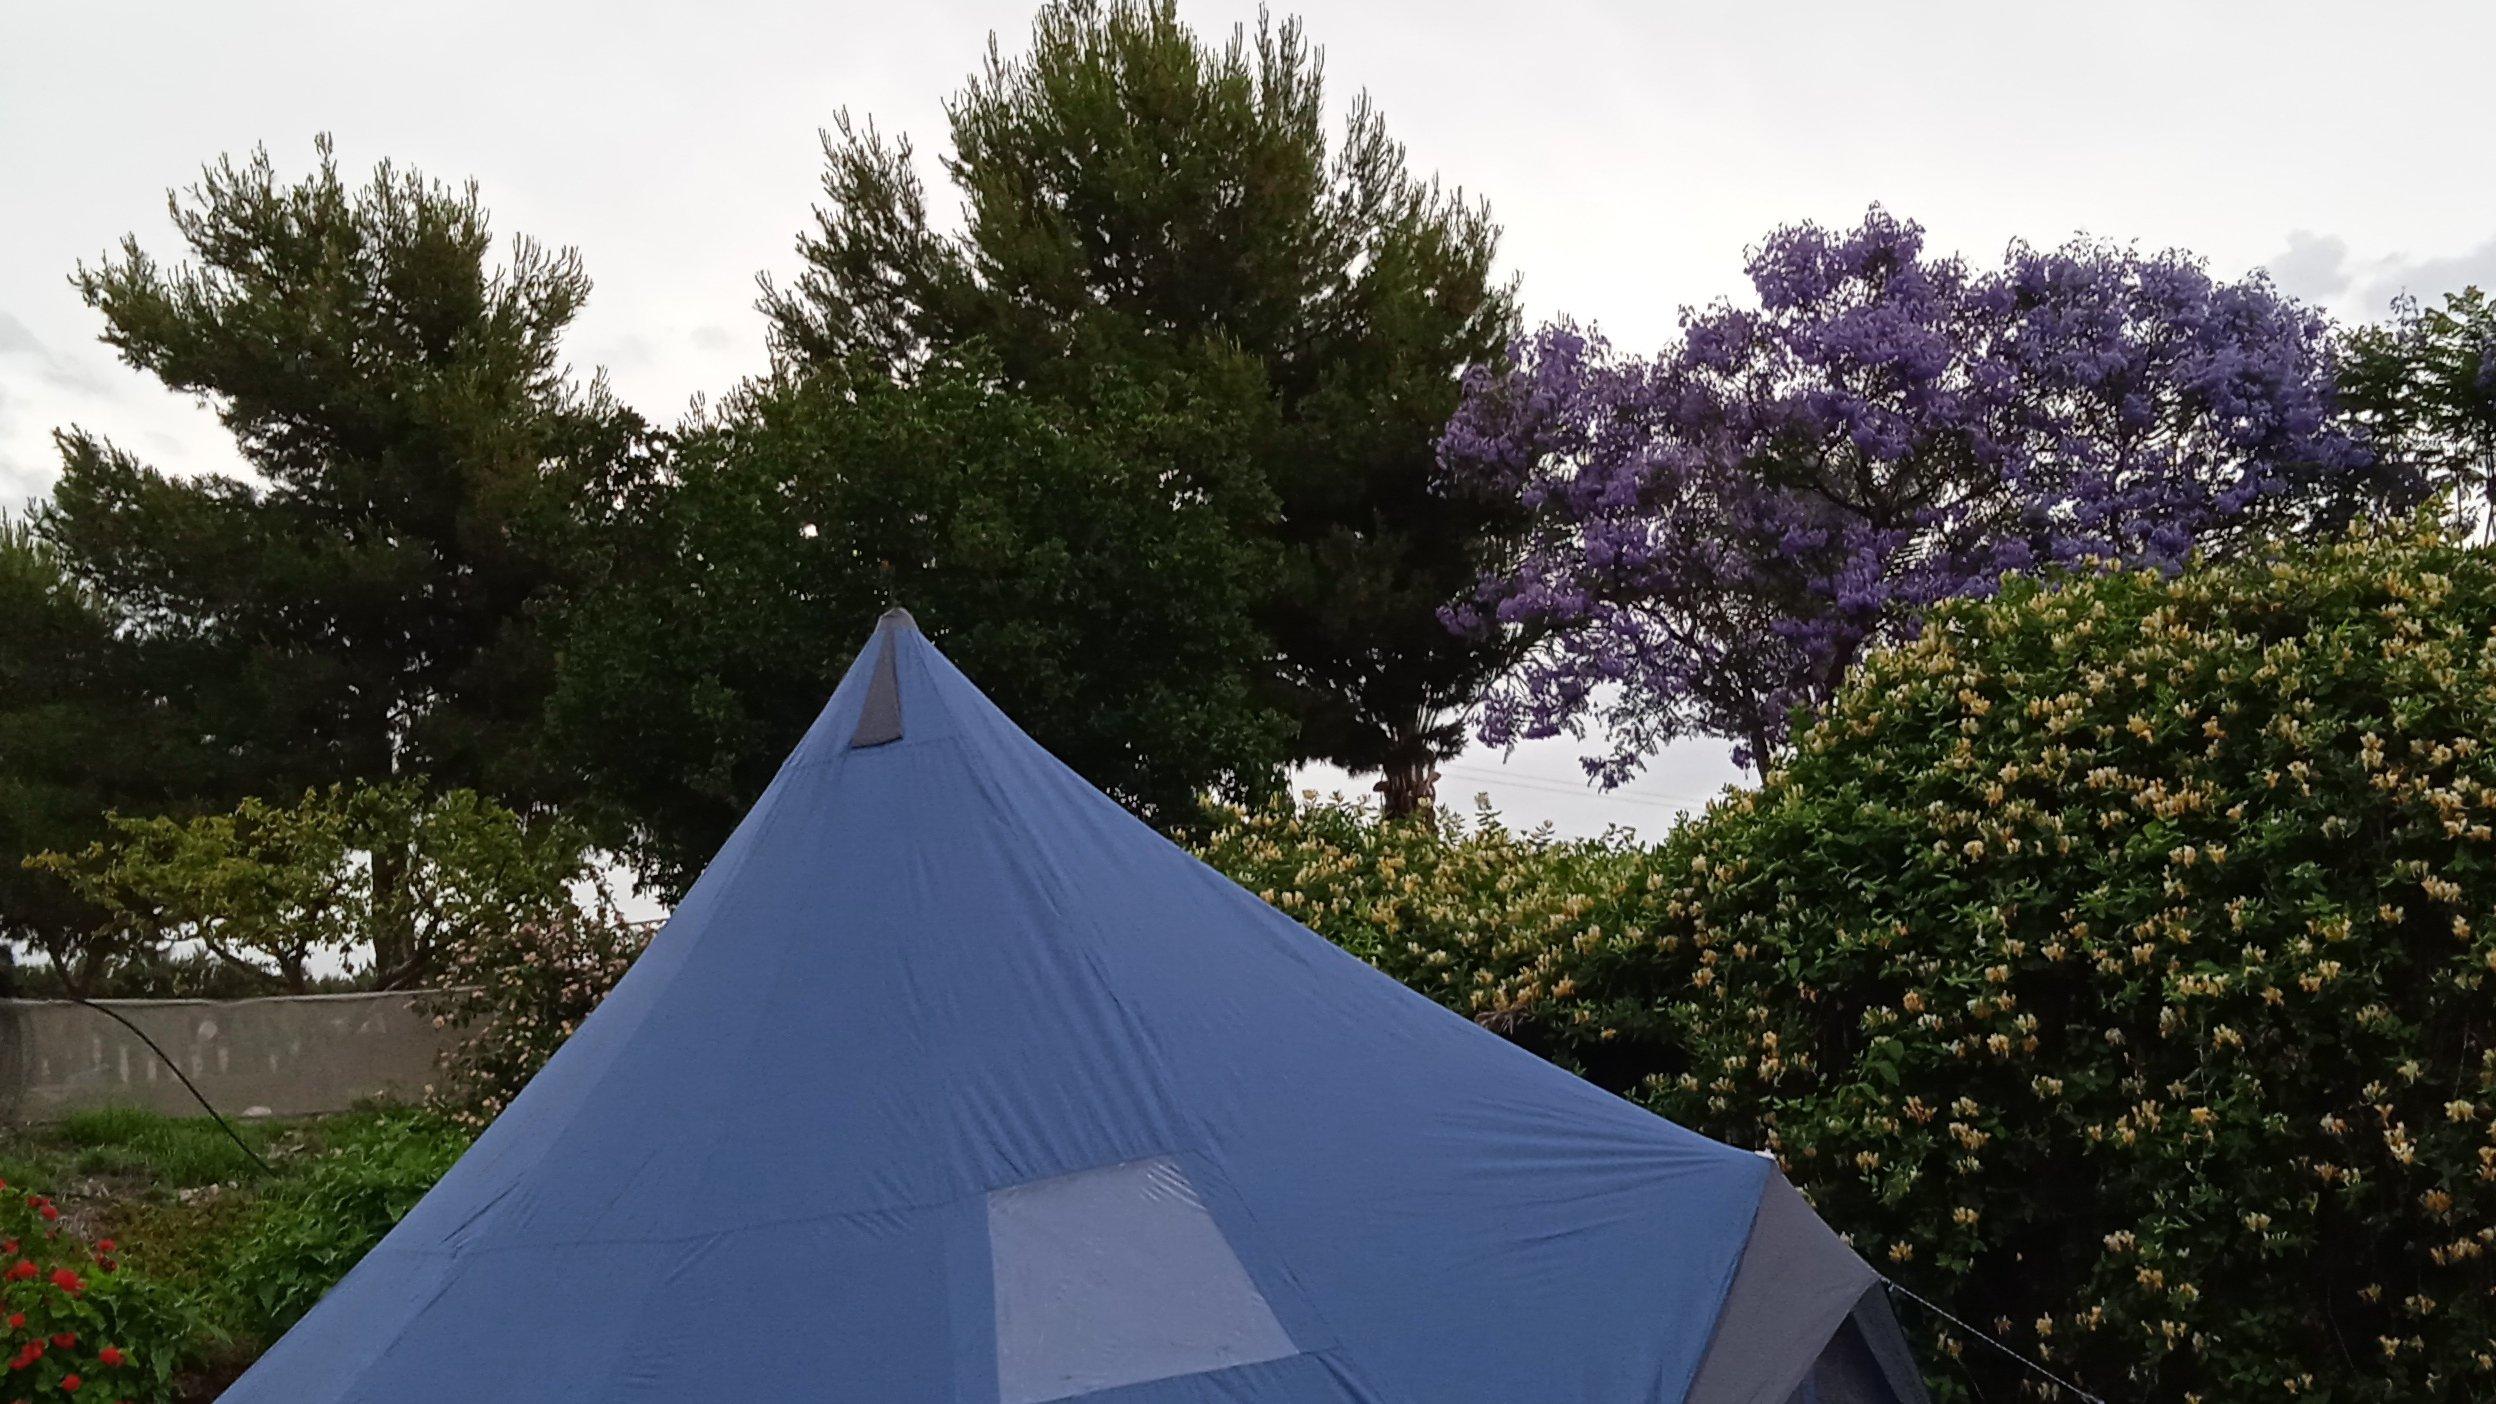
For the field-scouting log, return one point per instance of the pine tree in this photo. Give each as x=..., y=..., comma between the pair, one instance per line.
x=418, y=448
x=92, y=719
x=1134, y=196
x=1040, y=543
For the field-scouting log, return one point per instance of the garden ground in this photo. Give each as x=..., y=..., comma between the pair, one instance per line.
x=247, y=1249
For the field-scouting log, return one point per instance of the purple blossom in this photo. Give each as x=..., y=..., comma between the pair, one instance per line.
x=1721, y=529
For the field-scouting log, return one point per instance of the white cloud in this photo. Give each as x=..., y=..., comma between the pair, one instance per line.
x=2314, y=268
x=23, y=353
x=2320, y=268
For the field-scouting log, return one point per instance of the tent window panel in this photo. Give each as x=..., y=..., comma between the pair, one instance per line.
x=1117, y=1276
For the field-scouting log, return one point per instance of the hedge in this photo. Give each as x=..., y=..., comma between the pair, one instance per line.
x=2110, y=962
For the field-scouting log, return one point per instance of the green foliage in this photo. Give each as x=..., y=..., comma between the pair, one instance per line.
x=268, y=888
x=1139, y=200
x=143, y=972
x=2112, y=961
x=325, y=1220
x=79, y=735
x=71, y=1320
x=2424, y=383
x=186, y=1211
x=1084, y=566
x=365, y=604
x=515, y=993
x=184, y=1153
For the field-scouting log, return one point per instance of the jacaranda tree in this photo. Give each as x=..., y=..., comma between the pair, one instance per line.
x=1721, y=529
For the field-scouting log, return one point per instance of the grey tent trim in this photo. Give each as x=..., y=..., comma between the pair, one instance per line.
x=880, y=720
x=1788, y=1332
x=1868, y=1361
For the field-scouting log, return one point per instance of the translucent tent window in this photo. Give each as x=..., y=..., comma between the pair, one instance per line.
x=1114, y=1277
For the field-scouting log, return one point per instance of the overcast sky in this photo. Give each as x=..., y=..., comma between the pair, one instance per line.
x=1631, y=149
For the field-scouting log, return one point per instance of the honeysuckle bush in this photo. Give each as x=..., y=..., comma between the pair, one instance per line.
x=71, y=1322
x=1458, y=906
x=2111, y=962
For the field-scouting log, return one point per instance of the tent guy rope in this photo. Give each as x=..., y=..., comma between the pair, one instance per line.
x=1990, y=1339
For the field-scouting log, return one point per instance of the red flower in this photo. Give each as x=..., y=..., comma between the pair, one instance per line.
x=111, y=1355
x=70, y=1383
x=22, y=1269
x=17, y=1318
x=51, y=1213
x=66, y=1339
x=105, y=1245
x=67, y=1281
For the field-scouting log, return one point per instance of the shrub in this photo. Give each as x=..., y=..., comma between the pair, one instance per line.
x=2112, y=961
x=313, y=1228
x=1444, y=903
x=388, y=876
x=71, y=1321
x=516, y=993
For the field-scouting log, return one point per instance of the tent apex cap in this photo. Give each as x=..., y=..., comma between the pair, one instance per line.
x=896, y=617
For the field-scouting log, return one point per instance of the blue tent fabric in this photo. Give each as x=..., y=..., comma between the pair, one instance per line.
x=952, y=1081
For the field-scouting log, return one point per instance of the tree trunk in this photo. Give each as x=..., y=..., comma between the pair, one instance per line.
x=393, y=931
x=74, y=966
x=392, y=919
x=1408, y=784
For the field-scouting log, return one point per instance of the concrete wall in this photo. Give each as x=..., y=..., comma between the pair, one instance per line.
x=288, y=1056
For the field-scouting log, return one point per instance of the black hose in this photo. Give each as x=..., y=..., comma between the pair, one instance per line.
x=161, y=1056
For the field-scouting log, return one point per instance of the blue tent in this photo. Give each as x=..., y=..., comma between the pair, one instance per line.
x=951, y=1081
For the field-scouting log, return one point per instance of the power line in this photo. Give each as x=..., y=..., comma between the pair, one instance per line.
x=1554, y=786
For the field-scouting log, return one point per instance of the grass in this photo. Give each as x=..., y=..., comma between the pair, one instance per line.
x=182, y=1154
x=189, y=1209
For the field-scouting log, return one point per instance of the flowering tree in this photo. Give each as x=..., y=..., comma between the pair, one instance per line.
x=514, y=994
x=1721, y=529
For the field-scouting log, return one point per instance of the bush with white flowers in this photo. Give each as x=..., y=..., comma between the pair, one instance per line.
x=2113, y=961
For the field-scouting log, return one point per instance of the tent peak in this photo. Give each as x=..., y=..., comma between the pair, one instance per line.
x=879, y=720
